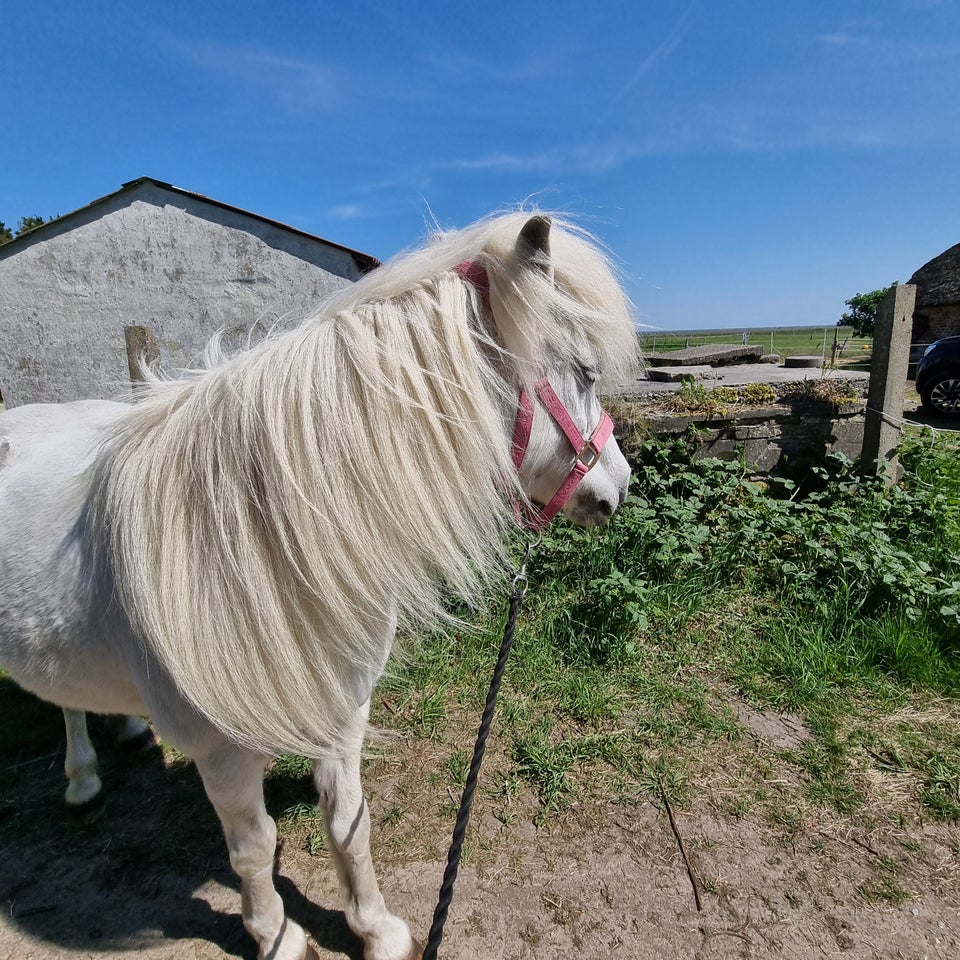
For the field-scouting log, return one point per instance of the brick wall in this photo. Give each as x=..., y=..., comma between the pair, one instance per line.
x=932, y=323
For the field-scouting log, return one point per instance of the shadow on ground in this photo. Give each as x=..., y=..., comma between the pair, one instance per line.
x=921, y=418
x=150, y=867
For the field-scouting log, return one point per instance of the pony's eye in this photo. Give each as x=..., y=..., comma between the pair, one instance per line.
x=587, y=374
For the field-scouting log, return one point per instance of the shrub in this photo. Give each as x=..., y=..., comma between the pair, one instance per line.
x=854, y=550
x=758, y=394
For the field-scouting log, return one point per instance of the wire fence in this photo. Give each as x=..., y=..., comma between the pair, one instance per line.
x=829, y=343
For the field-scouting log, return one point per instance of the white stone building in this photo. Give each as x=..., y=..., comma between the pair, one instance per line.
x=151, y=254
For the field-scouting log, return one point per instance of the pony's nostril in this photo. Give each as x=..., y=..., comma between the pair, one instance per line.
x=605, y=507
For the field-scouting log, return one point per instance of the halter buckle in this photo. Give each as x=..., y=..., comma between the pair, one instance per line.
x=589, y=455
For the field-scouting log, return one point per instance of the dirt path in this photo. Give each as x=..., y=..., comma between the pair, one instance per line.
x=150, y=877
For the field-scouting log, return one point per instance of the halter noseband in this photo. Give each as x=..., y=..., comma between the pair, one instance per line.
x=587, y=452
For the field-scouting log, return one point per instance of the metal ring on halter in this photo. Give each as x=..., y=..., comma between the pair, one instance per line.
x=521, y=576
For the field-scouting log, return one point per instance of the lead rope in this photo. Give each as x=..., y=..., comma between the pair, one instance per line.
x=520, y=584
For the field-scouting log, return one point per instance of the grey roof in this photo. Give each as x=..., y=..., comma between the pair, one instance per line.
x=364, y=261
x=938, y=282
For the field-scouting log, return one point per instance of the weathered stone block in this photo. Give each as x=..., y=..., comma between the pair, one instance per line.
x=756, y=431
x=847, y=437
x=762, y=455
x=715, y=354
x=721, y=449
x=677, y=374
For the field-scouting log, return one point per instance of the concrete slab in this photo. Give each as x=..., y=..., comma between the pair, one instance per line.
x=678, y=374
x=803, y=361
x=741, y=374
x=713, y=354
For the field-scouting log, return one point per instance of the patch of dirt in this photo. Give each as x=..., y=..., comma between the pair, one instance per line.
x=151, y=877
x=785, y=731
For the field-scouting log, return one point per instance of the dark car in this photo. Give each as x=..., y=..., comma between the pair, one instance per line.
x=938, y=377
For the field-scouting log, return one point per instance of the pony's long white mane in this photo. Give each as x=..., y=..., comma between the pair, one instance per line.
x=265, y=520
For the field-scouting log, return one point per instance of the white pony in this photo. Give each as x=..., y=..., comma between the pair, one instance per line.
x=231, y=555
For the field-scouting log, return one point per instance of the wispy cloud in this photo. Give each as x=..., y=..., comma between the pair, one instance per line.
x=875, y=39
x=505, y=162
x=750, y=129
x=571, y=159
x=346, y=211
x=315, y=75
x=841, y=39
x=444, y=53
x=657, y=56
x=293, y=83
x=755, y=127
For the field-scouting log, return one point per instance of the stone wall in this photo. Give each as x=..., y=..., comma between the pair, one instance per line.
x=782, y=440
x=932, y=323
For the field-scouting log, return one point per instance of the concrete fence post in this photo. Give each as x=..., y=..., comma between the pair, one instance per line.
x=888, y=378
x=142, y=350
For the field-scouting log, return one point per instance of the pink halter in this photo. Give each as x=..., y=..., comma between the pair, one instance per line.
x=587, y=452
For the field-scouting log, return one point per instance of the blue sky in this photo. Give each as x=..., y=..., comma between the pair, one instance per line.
x=747, y=163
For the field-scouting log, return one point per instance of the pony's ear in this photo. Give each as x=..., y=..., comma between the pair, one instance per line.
x=533, y=244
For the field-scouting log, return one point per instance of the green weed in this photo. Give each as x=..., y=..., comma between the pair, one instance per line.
x=758, y=394
x=797, y=598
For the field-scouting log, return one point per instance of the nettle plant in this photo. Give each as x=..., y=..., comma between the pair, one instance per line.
x=708, y=525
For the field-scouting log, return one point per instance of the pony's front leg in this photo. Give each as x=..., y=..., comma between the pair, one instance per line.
x=385, y=936
x=233, y=779
x=80, y=764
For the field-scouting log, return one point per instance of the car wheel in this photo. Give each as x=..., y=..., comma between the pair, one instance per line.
x=942, y=396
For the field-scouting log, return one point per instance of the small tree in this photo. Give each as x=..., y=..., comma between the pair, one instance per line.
x=863, y=312
x=29, y=223
x=25, y=225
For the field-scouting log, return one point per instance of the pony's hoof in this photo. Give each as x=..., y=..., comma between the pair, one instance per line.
x=85, y=813
x=311, y=954
x=416, y=951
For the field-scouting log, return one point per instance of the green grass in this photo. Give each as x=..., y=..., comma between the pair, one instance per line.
x=786, y=341
x=708, y=585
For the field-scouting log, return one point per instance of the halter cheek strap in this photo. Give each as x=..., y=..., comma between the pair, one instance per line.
x=587, y=452
x=522, y=429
